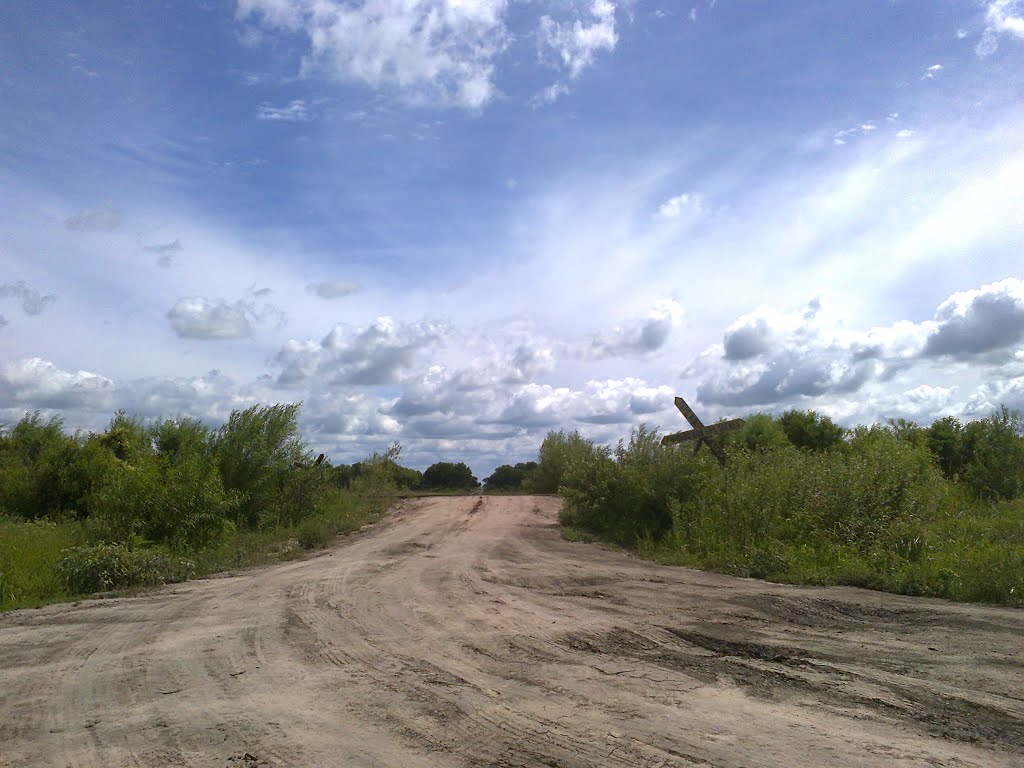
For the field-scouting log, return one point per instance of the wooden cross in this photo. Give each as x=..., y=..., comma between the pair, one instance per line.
x=702, y=434
x=317, y=463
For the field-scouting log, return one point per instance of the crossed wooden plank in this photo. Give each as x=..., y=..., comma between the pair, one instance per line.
x=317, y=463
x=702, y=434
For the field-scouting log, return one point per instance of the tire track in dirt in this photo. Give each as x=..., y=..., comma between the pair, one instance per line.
x=465, y=632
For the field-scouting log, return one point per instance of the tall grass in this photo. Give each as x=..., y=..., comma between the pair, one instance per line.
x=29, y=553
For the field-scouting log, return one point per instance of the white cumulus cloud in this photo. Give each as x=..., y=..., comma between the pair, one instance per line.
x=195, y=317
x=637, y=337
x=984, y=321
x=37, y=383
x=369, y=356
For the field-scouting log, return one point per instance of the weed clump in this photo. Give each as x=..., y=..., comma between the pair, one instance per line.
x=102, y=567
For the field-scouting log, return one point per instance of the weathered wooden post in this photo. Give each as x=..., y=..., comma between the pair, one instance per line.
x=702, y=434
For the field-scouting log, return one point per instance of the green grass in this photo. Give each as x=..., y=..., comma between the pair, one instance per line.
x=574, y=533
x=30, y=552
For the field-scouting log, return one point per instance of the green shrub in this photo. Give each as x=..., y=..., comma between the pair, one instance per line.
x=994, y=450
x=877, y=513
x=175, y=439
x=760, y=432
x=182, y=505
x=315, y=533
x=127, y=438
x=811, y=430
x=103, y=567
x=258, y=453
x=630, y=495
x=41, y=469
x=557, y=452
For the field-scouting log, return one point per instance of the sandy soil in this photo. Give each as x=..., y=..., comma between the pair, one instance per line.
x=465, y=632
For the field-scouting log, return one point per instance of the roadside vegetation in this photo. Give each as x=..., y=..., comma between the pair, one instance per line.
x=936, y=510
x=142, y=504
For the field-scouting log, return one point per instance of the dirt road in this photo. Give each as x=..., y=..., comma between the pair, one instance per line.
x=465, y=632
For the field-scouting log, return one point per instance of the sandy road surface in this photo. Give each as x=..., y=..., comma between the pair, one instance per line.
x=465, y=632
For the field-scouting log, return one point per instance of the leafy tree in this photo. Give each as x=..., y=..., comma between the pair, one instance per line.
x=343, y=475
x=994, y=467
x=258, y=453
x=127, y=438
x=177, y=438
x=182, y=505
x=504, y=478
x=445, y=475
x=558, y=451
x=760, y=432
x=811, y=430
x=945, y=442
x=909, y=432
x=510, y=477
x=44, y=472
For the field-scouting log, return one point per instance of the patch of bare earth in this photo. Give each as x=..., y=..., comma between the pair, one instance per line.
x=466, y=632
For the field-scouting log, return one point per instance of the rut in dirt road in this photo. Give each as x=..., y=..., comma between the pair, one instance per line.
x=466, y=632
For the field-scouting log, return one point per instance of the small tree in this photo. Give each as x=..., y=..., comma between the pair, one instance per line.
x=994, y=468
x=257, y=453
x=557, y=453
x=760, y=432
x=810, y=429
x=945, y=442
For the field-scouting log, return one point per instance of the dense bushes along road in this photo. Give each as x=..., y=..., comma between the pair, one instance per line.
x=925, y=511
x=146, y=503
x=922, y=510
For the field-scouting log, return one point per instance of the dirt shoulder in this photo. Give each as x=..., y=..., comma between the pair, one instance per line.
x=466, y=632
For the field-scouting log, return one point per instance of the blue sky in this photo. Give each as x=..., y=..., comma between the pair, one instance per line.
x=459, y=224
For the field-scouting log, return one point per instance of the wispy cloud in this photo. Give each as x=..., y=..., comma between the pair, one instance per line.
x=33, y=302
x=103, y=219
x=294, y=112
x=165, y=252
x=576, y=44
x=333, y=289
x=676, y=206
x=427, y=51
x=1002, y=17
